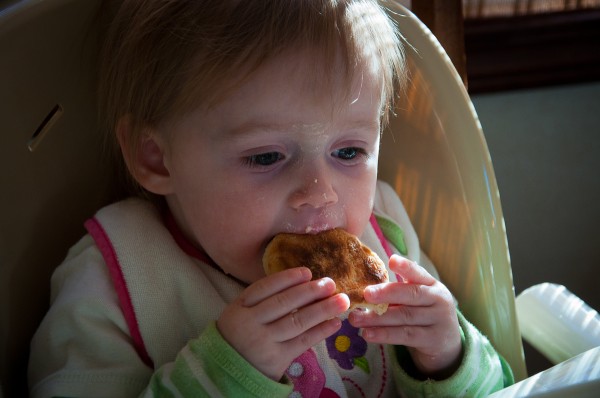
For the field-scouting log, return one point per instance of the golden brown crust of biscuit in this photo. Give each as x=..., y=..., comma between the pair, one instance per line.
x=334, y=253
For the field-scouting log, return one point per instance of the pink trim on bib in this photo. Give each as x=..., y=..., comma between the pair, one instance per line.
x=183, y=243
x=112, y=262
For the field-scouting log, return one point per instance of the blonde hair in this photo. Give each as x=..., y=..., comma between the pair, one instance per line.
x=163, y=58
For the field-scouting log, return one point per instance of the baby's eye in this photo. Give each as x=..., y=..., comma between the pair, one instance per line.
x=349, y=153
x=263, y=159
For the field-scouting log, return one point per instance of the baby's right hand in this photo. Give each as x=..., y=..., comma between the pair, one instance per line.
x=279, y=317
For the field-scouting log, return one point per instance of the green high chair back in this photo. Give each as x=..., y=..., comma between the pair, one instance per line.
x=54, y=175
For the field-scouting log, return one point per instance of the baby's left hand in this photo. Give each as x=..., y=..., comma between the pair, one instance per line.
x=421, y=316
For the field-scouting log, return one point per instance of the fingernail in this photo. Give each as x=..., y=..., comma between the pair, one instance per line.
x=343, y=302
x=324, y=282
x=355, y=319
x=366, y=334
x=372, y=291
x=305, y=272
x=336, y=323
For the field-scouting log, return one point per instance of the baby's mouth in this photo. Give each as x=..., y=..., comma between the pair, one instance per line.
x=312, y=229
x=316, y=229
x=312, y=226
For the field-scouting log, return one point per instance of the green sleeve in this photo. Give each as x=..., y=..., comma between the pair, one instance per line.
x=481, y=372
x=209, y=367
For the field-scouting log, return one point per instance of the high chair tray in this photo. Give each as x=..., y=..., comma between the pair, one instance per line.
x=577, y=377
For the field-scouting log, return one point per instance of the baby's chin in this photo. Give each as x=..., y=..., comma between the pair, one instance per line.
x=244, y=270
x=255, y=275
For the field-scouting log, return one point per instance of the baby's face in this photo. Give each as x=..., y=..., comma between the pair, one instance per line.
x=275, y=156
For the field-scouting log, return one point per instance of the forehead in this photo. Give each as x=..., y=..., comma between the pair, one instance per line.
x=291, y=92
x=293, y=76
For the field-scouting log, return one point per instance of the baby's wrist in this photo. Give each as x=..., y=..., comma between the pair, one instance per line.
x=439, y=367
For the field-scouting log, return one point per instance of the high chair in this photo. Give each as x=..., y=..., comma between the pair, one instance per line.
x=54, y=177
x=435, y=155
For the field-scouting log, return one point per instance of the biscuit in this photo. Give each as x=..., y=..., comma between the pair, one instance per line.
x=336, y=254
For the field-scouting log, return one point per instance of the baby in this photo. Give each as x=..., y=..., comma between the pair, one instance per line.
x=239, y=120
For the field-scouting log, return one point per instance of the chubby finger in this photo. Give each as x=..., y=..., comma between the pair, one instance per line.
x=399, y=293
x=273, y=284
x=394, y=316
x=410, y=271
x=313, y=336
x=411, y=336
x=294, y=298
x=299, y=322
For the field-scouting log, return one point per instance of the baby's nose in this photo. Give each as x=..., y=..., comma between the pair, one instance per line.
x=314, y=192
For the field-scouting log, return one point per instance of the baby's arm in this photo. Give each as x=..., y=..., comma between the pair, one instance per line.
x=417, y=323
x=281, y=316
x=246, y=352
x=421, y=316
x=84, y=343
x=209, y=367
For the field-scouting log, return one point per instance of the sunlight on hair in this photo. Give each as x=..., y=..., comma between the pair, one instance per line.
x=378, y=46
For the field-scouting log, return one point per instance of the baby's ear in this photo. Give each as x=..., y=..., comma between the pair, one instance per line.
x=144, y=157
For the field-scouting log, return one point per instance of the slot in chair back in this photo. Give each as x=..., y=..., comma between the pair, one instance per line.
x=52, y=174
x=54, y=177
